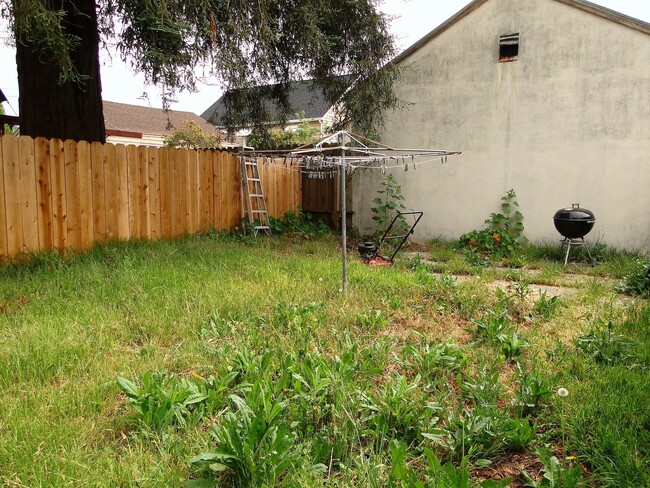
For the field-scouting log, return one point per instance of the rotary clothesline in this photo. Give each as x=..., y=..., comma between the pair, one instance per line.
x=346, y=152
x=321, y=168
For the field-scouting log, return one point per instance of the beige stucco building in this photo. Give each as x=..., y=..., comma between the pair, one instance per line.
x=548, y=97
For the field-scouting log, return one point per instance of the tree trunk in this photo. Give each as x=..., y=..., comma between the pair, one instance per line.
x=69, y=110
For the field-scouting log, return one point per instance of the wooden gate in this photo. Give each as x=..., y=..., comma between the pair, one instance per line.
x=320, y=198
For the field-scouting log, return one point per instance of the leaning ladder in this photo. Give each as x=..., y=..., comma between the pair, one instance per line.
x=253, y=193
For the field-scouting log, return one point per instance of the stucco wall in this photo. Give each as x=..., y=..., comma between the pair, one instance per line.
x=568, y=122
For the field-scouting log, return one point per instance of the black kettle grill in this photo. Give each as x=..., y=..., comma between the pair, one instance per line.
x=574, y=223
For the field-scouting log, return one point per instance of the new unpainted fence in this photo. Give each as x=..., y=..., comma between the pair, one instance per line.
x=57, y=195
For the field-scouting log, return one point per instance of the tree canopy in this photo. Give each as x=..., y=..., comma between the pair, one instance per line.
x=276, y=138
x=343, y=45
x=190, y=135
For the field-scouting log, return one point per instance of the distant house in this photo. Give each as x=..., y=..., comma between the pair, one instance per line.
x=548, y=97
x=147, y=126
x=308, y=104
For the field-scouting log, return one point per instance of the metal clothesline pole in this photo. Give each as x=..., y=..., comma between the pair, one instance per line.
x=344, y=236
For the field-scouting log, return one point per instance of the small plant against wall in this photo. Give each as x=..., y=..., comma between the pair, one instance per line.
x=504, y=234
x=388, y=203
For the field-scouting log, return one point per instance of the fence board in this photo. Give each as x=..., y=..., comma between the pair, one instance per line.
x=73, y=203
x=12, y=196
x=217, y=186
x=165, y=194
x=200, y=190
x=4, y=251
x=287, y=194
x=98, y=191
x=279, y=187
x=144, y=227
x=297, y=191
x=71, y=182
x=182, y=161
x=123, y=229
x=192, y=192
x=58, y=195
x=134, y=186
x=111, y=196
x=85, y=195
x=175, y=193
x=29, y=205
x=154, y=193
x=233, y=201
x=59, y=213
x=44, y=193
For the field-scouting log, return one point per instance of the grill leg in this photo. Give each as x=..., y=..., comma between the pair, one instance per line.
x=568, y=249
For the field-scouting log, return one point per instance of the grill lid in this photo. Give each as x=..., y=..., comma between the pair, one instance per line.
x=575, y=213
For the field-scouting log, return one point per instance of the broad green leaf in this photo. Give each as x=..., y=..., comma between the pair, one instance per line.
x=128, y=387
x=195, y=398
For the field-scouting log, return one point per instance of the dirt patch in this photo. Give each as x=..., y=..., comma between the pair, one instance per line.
x=511, y=466
x=421, y=254
x=444, y=328
x=14, y=304
x=534, y=291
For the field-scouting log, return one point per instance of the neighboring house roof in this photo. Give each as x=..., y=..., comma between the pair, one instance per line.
x=580, y=4
x=304, y=98
x=124, y=119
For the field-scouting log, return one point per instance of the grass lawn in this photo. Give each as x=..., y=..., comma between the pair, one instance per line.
x=215, y=361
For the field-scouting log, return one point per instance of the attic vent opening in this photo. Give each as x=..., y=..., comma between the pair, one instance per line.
x=508, y=47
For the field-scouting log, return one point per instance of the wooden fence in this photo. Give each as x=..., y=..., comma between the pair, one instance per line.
x=58, y=195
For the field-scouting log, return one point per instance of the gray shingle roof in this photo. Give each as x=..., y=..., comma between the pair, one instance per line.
x=304, y=97
x=148, y=120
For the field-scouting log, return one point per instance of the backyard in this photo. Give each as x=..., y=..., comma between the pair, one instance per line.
x=222, y=360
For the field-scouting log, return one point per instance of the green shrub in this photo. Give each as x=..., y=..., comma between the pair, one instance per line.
x=502, y=238
x=163, y=400
x=302, y=223
x=637, y=282
x=254, y=447
x=606, y=346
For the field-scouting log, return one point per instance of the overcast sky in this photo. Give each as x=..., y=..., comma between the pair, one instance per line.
x=412, y=19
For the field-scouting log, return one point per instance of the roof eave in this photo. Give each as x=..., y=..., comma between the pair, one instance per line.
x=464, y=12
x=609, y=14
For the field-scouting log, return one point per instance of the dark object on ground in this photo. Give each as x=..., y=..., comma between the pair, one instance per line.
x=369, y=250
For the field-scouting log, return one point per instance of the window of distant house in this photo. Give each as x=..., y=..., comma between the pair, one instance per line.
x=508, y=47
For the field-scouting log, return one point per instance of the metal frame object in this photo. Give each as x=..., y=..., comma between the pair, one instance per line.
x=387, y=234
x=576, y=241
